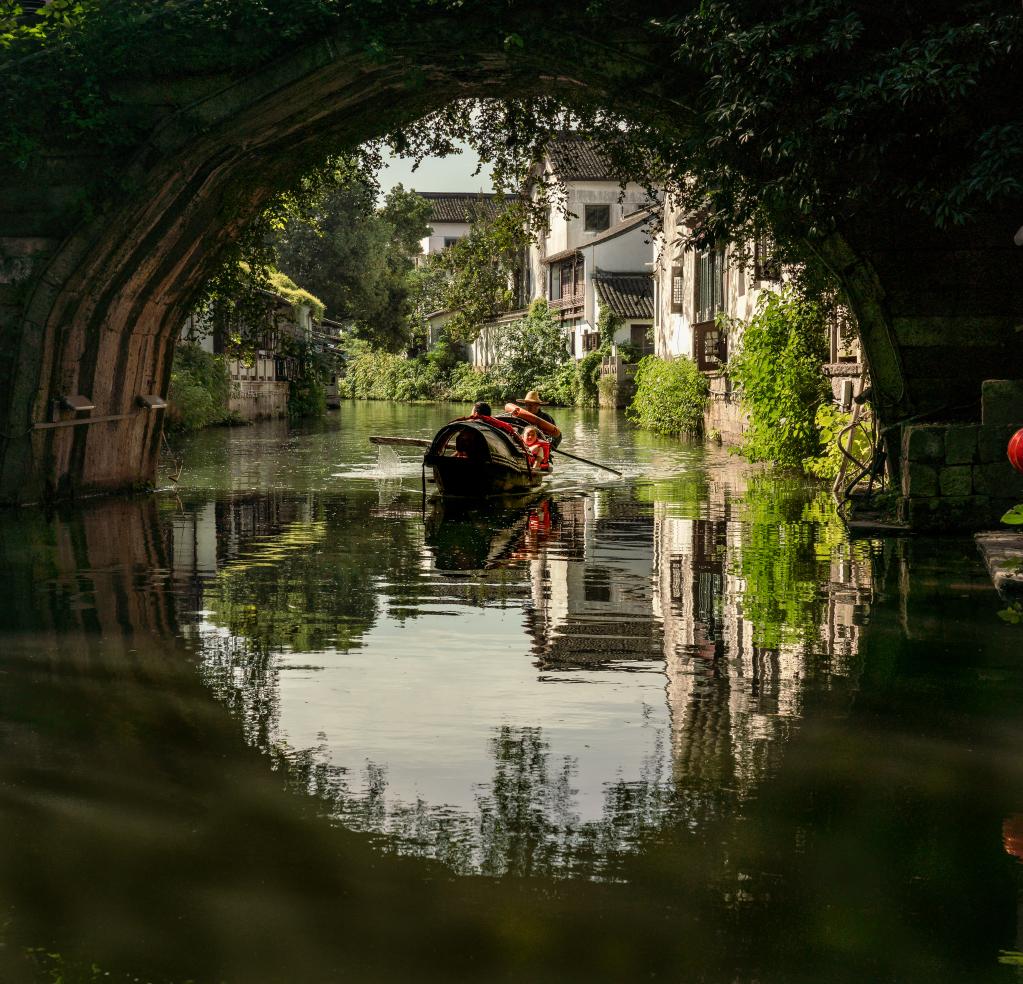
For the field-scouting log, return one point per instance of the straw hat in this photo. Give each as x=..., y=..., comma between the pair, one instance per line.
x=532, y=397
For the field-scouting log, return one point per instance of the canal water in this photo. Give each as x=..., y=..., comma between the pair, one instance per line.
x=284, y=721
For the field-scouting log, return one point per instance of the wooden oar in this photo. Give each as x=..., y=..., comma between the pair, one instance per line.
x=412, y=442
x=586, y=461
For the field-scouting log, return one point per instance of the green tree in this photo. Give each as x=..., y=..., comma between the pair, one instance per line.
x=358, y=258
x=535, y=355
x=479, y=271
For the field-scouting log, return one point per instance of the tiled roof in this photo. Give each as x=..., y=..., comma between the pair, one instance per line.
x=629, y=295
x=577, y=159
x=461, y=206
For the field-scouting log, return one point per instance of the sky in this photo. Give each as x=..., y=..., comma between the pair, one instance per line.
x=436, y=174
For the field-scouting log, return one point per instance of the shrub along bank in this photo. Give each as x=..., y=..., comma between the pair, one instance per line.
x=670, y=396
x=782, y=386
x=199, y=390
x=532, y=355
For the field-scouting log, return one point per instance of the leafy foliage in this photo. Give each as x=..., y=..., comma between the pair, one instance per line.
x=830, y=422
x=373, y=374
x=670, y=396
x=468, y=384
x=588, y=377
x=199, y=389
x=807, y=110
x=478, y=271
x=607, y=324
x=534, y=350
x=790, y=535
x=307, y=389
x=532, y=356
x=780, y=380
x=358, y=258
x=298, y=296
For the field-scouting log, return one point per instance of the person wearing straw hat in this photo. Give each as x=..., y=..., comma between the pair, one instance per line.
x=532, y=403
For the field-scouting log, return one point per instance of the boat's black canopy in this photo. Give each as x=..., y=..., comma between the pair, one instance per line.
x=504, y=448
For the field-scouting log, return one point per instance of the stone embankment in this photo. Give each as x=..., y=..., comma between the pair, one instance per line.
x=957, y=476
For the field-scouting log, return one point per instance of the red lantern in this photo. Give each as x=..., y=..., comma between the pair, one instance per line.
x=1016, y=450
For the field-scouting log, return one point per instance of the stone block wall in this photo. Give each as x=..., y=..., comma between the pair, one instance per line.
x=957, y=476
x=259, y=399
x=723, y=414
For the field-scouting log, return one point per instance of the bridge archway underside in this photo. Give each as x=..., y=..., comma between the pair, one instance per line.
x=93, y=306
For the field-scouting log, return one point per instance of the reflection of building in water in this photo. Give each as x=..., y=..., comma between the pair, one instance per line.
x=208, y=535
x=736, y=680
x=592, y=598
x=626, y=583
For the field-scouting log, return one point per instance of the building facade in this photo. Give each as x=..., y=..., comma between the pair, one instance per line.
x=260, y=380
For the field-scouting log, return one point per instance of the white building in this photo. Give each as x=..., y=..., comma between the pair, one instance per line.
x=260, y=379
x=604, y=230
x=601, y=234
x=692, y=287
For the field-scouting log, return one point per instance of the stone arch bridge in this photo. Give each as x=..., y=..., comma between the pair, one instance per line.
x=91, y=298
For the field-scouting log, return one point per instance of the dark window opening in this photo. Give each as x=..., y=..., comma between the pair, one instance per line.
x=597, y=585
x=567, y=280
x=639, y=338
x=597, y=218
x=765, y=266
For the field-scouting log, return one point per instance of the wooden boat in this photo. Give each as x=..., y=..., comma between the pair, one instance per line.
x=471, y=458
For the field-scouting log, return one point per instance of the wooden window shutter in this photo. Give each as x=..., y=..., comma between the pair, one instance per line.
x=718, y=281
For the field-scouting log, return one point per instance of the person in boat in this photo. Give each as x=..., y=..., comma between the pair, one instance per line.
x=531, y=404
x=539, y=450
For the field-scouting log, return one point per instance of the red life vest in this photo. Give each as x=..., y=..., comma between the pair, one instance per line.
x=541, y=454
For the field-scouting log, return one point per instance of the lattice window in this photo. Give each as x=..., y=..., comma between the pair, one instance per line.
x=765, y=266
x=711, y=346
x=677, y=290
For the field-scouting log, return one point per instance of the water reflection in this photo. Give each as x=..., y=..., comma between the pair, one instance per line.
x=677, y=727
x=646, y=642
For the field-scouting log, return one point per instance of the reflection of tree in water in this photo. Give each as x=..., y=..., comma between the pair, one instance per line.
x=526, y=821
x=732, y=703
x=307, y=574
x=792, y=536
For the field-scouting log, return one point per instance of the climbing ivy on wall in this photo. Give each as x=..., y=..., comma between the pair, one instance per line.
x=780, y=379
